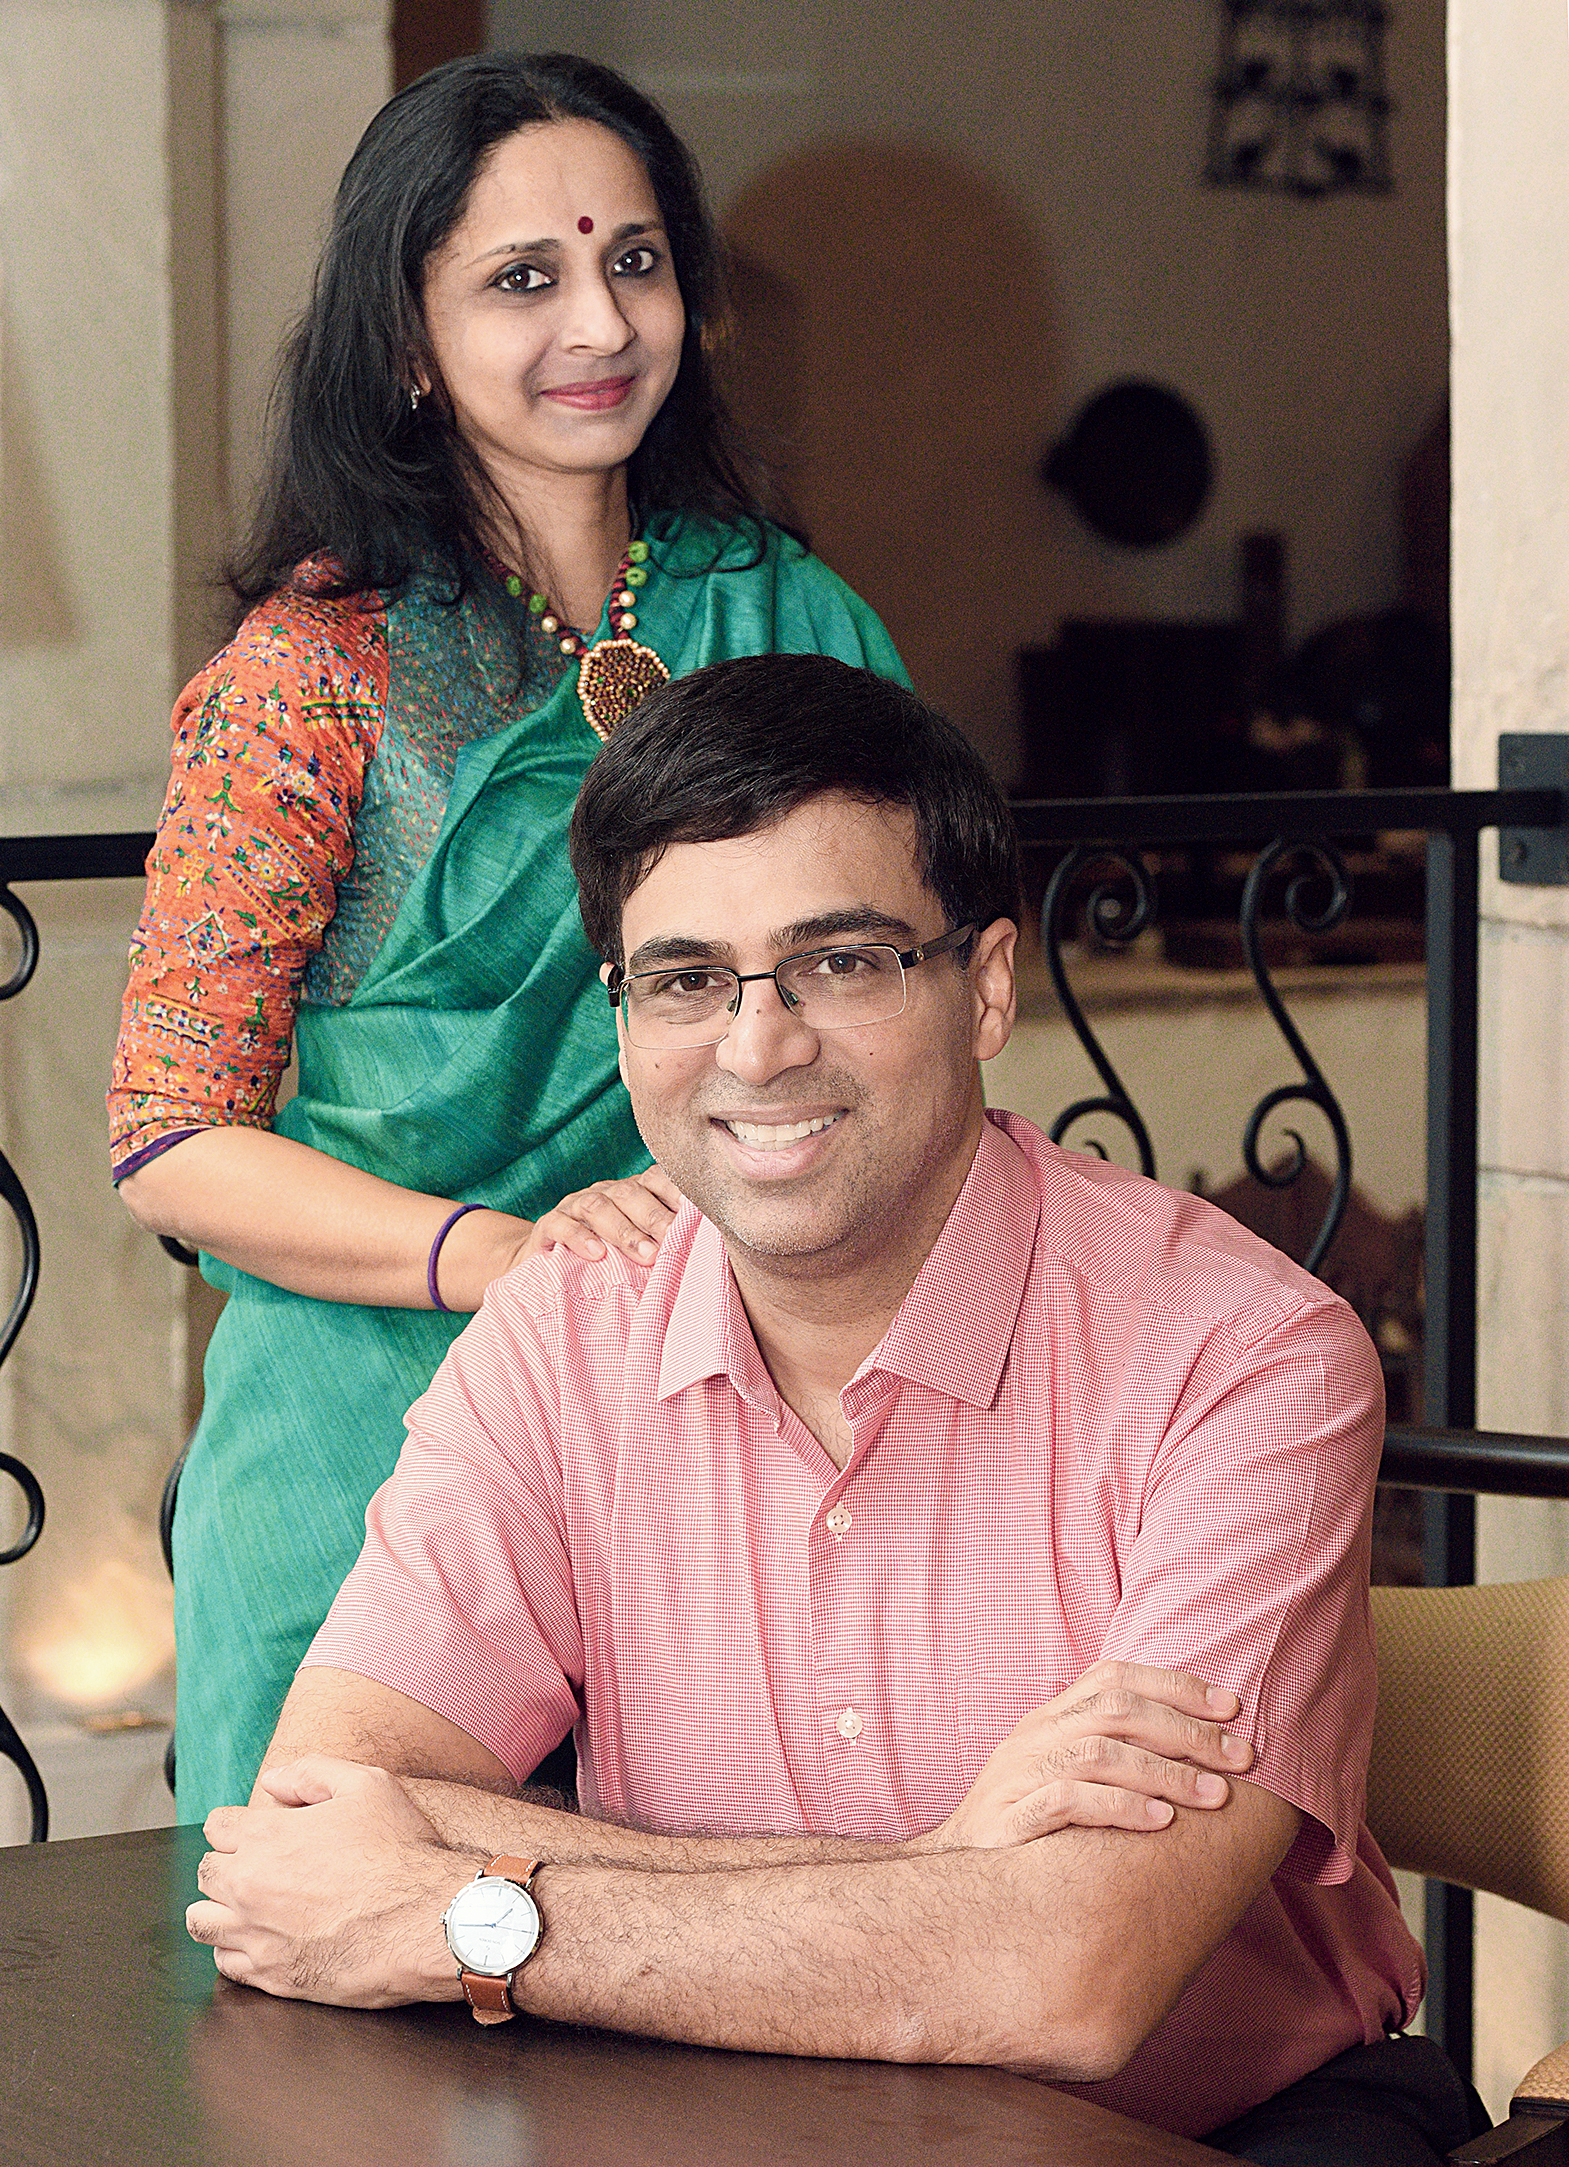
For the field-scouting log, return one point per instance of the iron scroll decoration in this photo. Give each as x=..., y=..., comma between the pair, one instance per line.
x=1116, y=923
x=1327, y=863
x=11, y=1746
x=16, y=1200
x=1117, y=918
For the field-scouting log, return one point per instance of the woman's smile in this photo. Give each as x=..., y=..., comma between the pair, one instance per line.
x=594, y=396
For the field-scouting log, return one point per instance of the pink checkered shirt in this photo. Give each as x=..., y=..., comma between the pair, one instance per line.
x=1105, y=1422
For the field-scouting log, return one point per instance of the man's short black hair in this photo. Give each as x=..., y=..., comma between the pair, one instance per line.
x=735, y=747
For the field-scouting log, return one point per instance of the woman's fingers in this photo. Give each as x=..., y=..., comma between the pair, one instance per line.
x=628, y=1215
x=659, y=1184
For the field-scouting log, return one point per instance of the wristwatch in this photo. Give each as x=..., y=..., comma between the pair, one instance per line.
x=493, y=1928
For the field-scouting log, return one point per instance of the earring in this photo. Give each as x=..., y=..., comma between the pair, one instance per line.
x=414, y=400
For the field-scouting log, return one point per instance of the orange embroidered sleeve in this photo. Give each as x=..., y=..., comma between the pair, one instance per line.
x=271, y=744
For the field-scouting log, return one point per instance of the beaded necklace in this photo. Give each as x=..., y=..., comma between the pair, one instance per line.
x=614, y=675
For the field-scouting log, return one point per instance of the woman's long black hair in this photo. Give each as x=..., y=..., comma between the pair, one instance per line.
x=353, y=473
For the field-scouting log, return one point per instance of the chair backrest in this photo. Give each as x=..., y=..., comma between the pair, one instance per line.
x=1470, y=1772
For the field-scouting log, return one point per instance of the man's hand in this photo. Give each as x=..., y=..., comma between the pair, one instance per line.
x=332, y=1893
x=1122, y=1747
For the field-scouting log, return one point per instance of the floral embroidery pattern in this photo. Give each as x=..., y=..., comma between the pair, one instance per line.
x=272, y=742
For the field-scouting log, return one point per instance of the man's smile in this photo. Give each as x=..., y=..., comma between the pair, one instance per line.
x=774, y=1136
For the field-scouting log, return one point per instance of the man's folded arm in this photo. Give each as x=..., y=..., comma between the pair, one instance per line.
x=1123, y=1746
x=1057, y=1958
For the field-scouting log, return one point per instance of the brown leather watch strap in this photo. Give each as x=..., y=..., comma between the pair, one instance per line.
x=487, y=1997
x=511, y=1869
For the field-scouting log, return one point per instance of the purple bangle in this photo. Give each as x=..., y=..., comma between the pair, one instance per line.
x=442, y=1232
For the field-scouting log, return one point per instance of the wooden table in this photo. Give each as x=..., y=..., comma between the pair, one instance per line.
x=121, y=2047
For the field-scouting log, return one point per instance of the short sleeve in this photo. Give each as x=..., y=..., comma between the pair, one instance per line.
x=271, y=744
x=462, y=1597
x=1251, y=1561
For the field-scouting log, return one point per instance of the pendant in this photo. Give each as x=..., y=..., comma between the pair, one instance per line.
x=614, y=677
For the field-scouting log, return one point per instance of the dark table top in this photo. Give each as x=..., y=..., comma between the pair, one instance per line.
x=121, y=2047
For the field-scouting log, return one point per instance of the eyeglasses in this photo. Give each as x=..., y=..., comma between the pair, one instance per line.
x=827, y=989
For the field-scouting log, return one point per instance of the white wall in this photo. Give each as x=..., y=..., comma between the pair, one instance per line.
x=300, y=80
x=94, y=565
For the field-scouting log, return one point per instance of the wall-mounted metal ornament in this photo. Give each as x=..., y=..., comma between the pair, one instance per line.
x=1300, y=105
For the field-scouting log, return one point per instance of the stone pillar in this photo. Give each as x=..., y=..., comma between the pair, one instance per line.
x=112, y=497
x=165, y=170
x=113, y=509
x=300, y=80
x=1509, y=263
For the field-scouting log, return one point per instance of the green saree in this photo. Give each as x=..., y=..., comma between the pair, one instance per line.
x=475, y=1058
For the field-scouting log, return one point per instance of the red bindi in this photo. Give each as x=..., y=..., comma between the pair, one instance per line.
x=585, y=225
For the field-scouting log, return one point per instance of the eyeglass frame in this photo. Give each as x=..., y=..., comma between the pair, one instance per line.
x=620, y=979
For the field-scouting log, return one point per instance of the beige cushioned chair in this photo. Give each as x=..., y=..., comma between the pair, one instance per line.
x=1470, y=1780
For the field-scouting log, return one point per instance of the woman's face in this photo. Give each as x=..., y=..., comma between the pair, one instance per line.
x=552, y=308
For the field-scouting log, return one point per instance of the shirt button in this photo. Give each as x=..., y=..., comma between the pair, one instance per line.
x=848, y=1724
x=838, y=1521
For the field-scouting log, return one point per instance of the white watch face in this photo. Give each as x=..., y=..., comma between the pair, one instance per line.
x=492, y=1926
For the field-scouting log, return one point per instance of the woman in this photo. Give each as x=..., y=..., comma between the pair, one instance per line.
x=497, y=425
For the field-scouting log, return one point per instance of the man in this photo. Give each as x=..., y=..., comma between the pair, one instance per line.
x=874, y=1539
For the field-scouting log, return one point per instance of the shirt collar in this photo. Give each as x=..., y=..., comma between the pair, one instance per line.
x=708, y=1333
x=953, y=1329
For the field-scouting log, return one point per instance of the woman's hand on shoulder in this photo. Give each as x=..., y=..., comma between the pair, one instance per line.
x=630, y=1215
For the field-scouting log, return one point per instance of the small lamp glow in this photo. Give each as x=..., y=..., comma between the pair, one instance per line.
x=102, y=1638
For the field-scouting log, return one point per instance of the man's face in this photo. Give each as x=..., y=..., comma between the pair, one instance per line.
x=890, y=1111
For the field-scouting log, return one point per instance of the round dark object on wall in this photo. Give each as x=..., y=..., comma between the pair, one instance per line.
x=1136, y=465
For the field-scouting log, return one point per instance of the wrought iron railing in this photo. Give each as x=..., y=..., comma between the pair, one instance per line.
x=26, y=858
x=1295, y=835
x=1294, y=838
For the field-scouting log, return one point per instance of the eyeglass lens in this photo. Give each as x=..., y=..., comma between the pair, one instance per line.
x=830, y=989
